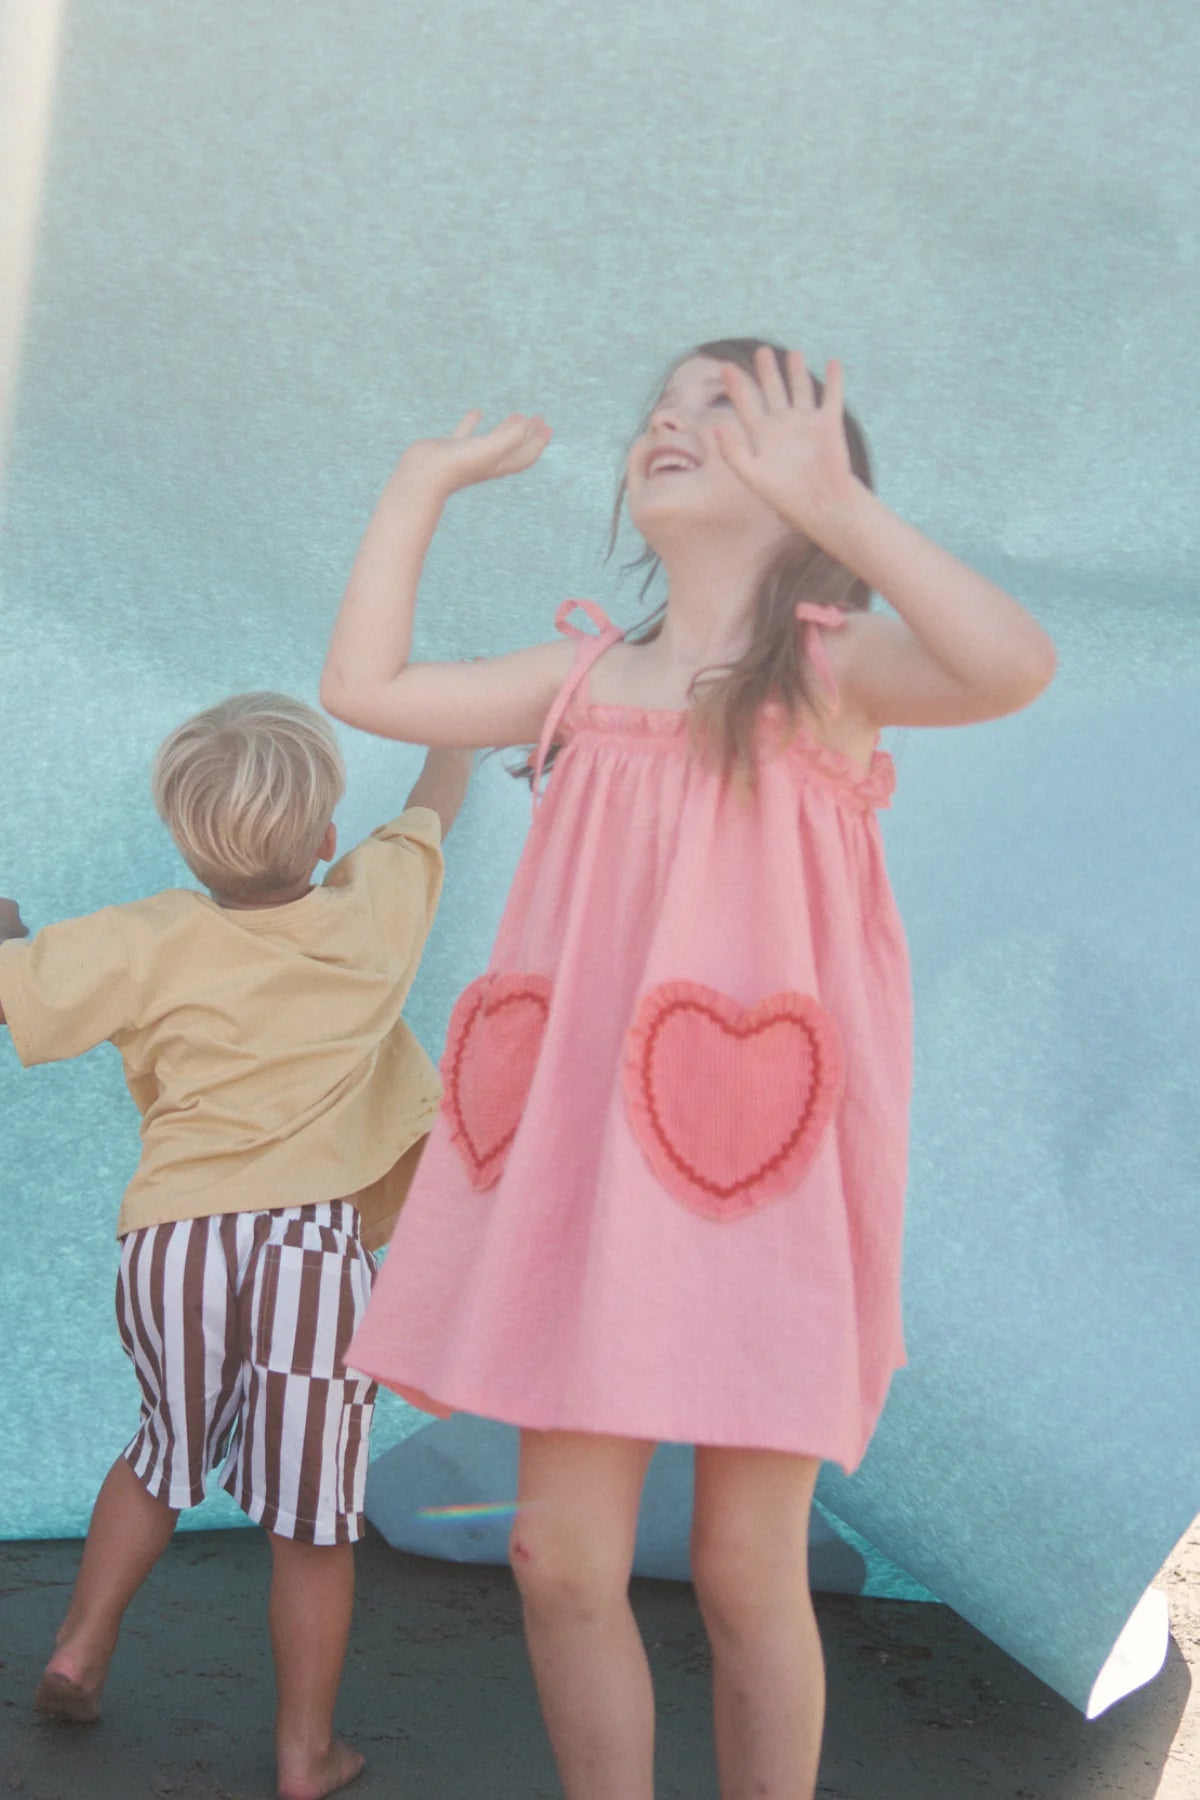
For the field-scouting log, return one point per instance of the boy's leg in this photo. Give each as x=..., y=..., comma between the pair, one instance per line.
x=312, y=1597
x=128, y=1533
x=180, y=1331
x=298, y=1467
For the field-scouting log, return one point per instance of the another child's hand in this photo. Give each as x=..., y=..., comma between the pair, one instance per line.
x=12, y=925
x=462, y=459
x=788, y=450
x=442, y=783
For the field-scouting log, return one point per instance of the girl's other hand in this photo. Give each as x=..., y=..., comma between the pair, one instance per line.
x=464, y=458
x=12, y=925
x=789, y=450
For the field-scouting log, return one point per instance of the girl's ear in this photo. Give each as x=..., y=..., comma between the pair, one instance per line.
x=328, y=849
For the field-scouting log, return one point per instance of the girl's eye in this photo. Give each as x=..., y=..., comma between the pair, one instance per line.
x=720, y=400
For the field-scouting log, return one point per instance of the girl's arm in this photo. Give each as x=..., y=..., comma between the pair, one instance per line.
x=368, y=679
x=962, y=649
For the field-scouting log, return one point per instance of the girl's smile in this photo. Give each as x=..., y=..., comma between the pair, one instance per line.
x=675, y=469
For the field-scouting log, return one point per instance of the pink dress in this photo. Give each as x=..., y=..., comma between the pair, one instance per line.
x=664, y=1197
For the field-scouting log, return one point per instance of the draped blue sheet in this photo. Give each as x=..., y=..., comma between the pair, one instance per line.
x=266, y=248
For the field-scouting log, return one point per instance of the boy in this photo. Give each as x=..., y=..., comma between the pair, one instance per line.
x=284, y=1104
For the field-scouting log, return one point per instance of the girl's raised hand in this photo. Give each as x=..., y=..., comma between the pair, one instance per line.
x=787, y=449
x=464, y=458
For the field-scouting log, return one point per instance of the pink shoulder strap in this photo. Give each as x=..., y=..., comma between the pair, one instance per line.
x=814, y=618
x=590, y=648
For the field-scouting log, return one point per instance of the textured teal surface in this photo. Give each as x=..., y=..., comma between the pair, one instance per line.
x=276, y=243
x=466, y=1462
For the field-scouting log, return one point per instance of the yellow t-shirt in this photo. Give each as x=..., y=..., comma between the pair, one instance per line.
x=264, y=1048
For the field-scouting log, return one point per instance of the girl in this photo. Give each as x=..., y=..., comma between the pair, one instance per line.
x=664, y=1198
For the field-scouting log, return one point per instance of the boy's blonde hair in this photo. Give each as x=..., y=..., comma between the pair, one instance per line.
x=247, y=789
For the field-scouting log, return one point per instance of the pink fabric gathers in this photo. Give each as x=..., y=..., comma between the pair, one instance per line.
x=665, y=1195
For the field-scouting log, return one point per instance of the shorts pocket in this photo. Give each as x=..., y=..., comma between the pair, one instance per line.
x=306, y=1306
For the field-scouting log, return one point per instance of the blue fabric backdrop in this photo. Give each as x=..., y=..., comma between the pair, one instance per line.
x=267, y=247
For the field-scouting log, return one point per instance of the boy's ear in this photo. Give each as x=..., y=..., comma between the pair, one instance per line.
x=328, y=849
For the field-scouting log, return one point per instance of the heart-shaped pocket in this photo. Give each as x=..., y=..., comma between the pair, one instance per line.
x=492, y=1047
x=729, y=1102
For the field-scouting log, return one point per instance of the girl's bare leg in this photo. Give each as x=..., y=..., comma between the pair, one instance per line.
x=750, y=1566
x=129, y=1531
x=572, y=1552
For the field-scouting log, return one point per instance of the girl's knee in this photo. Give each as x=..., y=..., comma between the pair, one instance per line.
x=562, y=1577
x=740, y=1583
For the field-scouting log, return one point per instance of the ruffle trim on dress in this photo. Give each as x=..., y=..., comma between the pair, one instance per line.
x=864, y=789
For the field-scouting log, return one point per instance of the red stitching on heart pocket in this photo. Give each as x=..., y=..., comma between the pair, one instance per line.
x=492, y=1048
x=729, y=1103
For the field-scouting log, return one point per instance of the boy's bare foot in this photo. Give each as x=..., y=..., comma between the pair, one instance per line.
x=60, y=1696
x=73, y=1679
x=311, y=1779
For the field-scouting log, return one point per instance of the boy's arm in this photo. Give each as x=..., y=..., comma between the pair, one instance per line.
x=69, y=988
x=442, y=784
x=12, y=925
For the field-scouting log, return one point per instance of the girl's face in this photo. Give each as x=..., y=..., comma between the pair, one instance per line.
x=676, y=475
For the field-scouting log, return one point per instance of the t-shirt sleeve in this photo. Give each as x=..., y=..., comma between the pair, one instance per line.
x=401, y=867
x=67, y=989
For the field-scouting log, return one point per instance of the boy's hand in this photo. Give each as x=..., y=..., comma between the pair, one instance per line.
x=442, y=783
x=12, y=925
x=463, y=459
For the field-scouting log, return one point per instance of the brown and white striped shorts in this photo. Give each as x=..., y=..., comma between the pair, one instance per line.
x=238, y=1327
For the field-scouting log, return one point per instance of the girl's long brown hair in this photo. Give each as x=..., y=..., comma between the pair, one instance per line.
x=727, y=702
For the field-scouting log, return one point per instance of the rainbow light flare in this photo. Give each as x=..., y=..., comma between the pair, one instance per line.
x=480, y=1509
